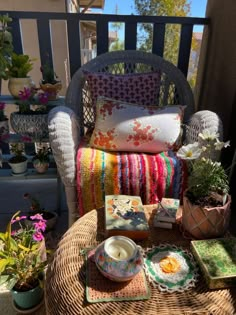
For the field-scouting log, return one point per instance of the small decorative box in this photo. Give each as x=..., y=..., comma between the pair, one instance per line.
x=217, y=259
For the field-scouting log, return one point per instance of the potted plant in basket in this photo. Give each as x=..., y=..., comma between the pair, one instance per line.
x=18, y=162
x=35, y=208
x=22, y=260
x=206, y=203
x=50, y=82
x=31, y=122
x=18, y=74
x=6, y=47
x=4, y=128
x=41, y=159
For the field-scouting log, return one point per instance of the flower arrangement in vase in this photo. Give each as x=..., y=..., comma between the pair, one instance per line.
x=18, y=73
x=4, y=128
x=41, y=159
x=206, y=206
x=50, y=82
x=31, y=122
x=35, y=208
x=23, y=259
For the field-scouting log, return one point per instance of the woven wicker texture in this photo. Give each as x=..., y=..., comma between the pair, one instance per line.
x=174, y=88
x=66, y=278
x=101, y=289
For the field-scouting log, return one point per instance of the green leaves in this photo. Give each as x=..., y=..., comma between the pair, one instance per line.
x=20, y=67
x=206, y=177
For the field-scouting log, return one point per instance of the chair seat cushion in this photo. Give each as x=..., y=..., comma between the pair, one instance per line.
x=150, y=176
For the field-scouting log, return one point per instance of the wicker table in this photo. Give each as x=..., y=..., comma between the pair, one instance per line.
x=65, y=286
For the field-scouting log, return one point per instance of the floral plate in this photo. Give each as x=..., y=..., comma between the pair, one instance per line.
x=171, y=268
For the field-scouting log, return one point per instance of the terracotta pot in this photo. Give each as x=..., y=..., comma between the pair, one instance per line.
x=15, y=85
x=203, y=222
x=41, y=167
x=33, y=126
x=51, y=89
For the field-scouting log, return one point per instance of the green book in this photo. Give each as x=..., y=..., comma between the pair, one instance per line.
x=217, y=260
x=124, y=215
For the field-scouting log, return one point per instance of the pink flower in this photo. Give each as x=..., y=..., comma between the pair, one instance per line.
x=17, y=219
x=40, y=226
x=37, y=217
x=38, y=236
x=13, y=233
x=2, y=105
x=25, y=94
x=43, y=98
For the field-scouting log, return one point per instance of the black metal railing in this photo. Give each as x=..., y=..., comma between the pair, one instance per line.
x=131, y=22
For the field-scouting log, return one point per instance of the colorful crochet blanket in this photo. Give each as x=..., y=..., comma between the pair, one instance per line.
x=150, y=176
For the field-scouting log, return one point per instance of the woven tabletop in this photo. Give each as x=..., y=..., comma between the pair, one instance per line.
x=66, y=277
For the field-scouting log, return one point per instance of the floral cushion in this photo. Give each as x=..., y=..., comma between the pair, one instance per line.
x=140, y=88
x=120, y=126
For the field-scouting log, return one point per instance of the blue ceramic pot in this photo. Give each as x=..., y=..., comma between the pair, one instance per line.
x=27, y=299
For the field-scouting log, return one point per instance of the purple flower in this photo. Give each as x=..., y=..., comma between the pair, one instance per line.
x=43, y=98
x=25, y=94
x=17, y=219
x=2, y=105
x=38, y=236
x=40, y=226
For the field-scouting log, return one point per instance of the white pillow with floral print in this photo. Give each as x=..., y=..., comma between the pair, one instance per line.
x=121, y=126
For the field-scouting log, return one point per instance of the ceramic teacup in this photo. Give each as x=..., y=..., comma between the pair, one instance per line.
x=118, y=258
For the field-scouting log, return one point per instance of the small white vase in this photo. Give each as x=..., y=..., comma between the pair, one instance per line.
x=18, y=168
x=15, y=85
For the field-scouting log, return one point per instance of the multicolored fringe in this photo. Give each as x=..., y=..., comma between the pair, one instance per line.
x=150, y=176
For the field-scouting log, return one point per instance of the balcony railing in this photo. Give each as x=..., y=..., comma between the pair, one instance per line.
x=72, y=40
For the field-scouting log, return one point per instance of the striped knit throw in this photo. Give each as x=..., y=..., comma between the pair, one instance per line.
x=150, y=176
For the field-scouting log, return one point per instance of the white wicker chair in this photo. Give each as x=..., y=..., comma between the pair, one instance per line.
x=67, y=123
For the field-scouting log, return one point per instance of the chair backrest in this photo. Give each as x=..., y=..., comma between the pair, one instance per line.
x=173, y=89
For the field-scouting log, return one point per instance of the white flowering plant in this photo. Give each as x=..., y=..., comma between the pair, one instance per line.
x=208, y=181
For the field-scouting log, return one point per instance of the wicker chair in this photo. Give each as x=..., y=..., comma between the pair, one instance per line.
x=67, y=123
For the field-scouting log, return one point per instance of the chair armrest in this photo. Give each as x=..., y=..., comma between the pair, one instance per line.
x=64, y=137
x=201, y=120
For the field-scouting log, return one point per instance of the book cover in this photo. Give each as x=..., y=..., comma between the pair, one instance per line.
x=167, y=209
x=217, y=260
x=124, y=215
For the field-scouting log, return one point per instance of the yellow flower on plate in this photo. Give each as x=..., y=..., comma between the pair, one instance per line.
x=169, y=265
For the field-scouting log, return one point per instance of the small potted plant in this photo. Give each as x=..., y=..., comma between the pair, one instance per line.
x=23, y=259
x=206, y=204
x=18, y=162
x=27, y=121
x=18, y=74
x=41, y=159
x=36, y=208
x=4, y=128
x=6, y=47
x=50, y=82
